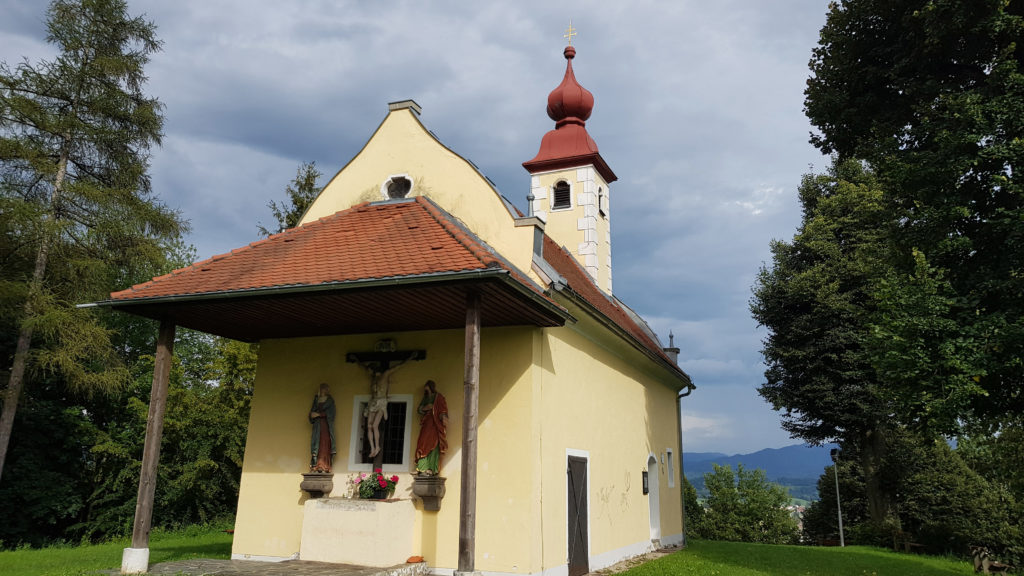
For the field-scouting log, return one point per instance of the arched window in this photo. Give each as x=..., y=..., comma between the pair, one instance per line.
x=562, y=196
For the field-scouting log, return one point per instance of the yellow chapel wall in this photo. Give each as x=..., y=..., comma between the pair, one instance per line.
x=596, y=396
x=270, y=508
x=403, y=146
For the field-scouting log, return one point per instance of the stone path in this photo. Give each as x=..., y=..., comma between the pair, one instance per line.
x=204, y=567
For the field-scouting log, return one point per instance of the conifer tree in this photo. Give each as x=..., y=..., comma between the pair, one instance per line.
x=302, y=190
x=75, y=137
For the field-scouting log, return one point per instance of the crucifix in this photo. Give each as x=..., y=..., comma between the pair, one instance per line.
x=380, y=364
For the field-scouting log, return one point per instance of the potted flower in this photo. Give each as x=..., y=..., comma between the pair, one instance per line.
x=375, y=486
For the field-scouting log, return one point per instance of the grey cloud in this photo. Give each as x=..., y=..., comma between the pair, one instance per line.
x=698, y=112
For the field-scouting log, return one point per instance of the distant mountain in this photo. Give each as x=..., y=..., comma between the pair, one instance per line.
x=797, y=466
x=796, y=461
x=689, y=457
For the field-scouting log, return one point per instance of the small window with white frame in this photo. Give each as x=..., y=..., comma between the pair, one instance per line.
x=671, y=468
x=601, y=209
x=561, y=197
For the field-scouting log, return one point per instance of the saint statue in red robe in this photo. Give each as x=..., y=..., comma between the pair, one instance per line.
x=433, y=440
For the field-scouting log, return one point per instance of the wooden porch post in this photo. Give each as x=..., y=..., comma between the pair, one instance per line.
x=136, y=559
x=471, y=389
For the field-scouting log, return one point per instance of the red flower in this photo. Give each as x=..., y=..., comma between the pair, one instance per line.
x=394, y=478
x=382, y=483
x=377, y=470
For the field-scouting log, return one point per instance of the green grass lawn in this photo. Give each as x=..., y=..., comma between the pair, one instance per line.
x=192, y=542
x=737, y=559
x=699, y=559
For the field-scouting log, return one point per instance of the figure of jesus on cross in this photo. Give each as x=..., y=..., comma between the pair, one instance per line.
x=380, y=365
x=377, y=407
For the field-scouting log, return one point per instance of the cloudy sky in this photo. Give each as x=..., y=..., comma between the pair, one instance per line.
x=699, y=113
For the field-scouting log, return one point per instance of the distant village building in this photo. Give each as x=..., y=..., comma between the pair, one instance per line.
x=553, y=419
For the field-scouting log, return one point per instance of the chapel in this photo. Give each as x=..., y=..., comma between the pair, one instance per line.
x=415, y=301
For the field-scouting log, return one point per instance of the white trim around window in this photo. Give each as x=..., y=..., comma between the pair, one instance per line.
x=356, y=435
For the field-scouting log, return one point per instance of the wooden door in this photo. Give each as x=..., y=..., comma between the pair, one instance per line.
x=578, y=554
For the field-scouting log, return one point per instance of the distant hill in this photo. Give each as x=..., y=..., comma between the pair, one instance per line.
x=796, y=467
x=796, y=461
x=701, y=456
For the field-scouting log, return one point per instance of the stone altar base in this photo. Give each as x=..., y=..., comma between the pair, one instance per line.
x=362, y=532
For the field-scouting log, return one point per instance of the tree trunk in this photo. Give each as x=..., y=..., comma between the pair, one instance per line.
x=873, y=449
x=16, y=380
x=15, y=384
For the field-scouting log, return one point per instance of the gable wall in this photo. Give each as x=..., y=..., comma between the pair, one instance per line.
x=270, y=508
x=402, y=145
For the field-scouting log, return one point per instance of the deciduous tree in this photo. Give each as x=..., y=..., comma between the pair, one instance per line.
x=745, y=507
x=998, y=458
x=692, y=509
x=931, y=94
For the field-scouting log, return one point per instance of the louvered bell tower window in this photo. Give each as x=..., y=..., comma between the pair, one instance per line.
x=562, y=197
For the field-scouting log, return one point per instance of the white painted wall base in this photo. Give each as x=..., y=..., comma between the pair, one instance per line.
x=135, y=561
x=606, y=559
x=673, y=540
x=562, y=570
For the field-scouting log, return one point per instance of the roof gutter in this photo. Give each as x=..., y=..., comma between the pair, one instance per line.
x=498, y=274
x=682, y=473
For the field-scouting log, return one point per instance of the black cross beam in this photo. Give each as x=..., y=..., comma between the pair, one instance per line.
x=384, y=359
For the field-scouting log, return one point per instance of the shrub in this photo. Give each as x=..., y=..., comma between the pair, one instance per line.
x=745, y=507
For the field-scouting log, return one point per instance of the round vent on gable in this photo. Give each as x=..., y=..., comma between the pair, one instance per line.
x=397, y=186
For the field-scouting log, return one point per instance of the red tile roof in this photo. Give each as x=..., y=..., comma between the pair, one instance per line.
x=398, y=239
x=581, y=283
x=368, y=241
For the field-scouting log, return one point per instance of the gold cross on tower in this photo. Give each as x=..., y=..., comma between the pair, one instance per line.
x=569, y=33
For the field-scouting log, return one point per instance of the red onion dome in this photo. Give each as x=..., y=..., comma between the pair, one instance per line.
x=570, y=101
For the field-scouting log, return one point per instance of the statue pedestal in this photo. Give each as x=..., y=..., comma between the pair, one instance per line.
x=361, y=532
x=429, y=489
x=318, y=484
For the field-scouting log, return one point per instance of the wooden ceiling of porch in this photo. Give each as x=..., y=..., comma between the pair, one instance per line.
x=437, y=305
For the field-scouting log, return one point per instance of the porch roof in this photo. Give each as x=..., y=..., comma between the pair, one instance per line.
x=376, y=267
